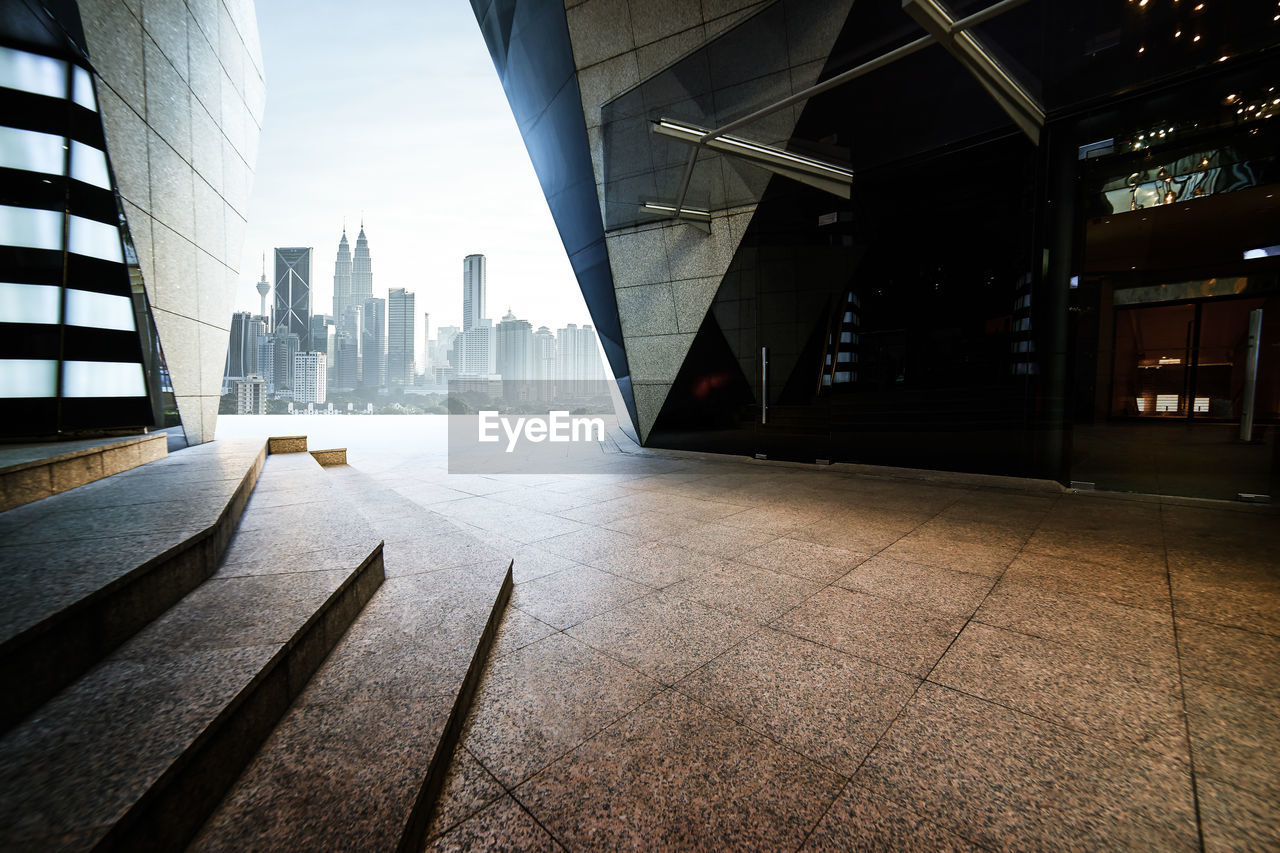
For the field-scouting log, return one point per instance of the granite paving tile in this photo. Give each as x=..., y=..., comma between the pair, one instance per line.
x=717, y=540
x=939, y=549
x=542, y=499
x=338, y=557
x=861, y=820
x=651, y=526
x=989, y=533
x=519, y=523
x=589, y=545
x=1235, y=735
x=503, y=824
x=1092, y=548
x=777, y=520
x=895, y=635
x=1230, y=656
x=818, y=563
x=1084, y=690
x=822, y=703
x=536, y=704
x=699, y=509
x=517, y=630
x=663, y=636
x=531, y=562
x=574, y=594
x=336, y=776
x=1233, y=819
x=1095, y=624
x=854, y=533
x=676, y=774
x=927, y=587
x=1132, y=587
x=467, y=789
x=655, y=564
x=992, y=775
x=614, y=509
x=745, y=591
x=1215, y=595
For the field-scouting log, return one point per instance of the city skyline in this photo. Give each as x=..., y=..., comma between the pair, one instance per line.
x=433, y=172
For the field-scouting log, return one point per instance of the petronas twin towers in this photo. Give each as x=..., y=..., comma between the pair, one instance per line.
x=352, y=276
x=361, y=339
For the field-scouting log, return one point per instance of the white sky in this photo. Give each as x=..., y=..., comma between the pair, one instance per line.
x=393, y=109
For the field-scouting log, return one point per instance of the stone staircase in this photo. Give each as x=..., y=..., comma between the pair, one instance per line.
x=268, y=682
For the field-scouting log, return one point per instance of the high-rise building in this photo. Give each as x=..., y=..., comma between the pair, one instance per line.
x=284, y=347
x=293, y=293
x=251, y=396
x=473, y=290
x=346, y=372
x=544, y=360
x=476, y=351
x=320, y=324
x=446, y=336
x=426, y=343
x=373, y=343
x=577, y=355
x=310, y=374
x=514, y=348
x=342, y=280
x=242, y=356
x=361, y=270
x=399, y=337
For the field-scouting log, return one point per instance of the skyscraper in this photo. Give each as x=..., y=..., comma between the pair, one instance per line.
x=320, y=333
x=251, y=396
x=373, y=339
x=514, y=348
x=342, y=281
x=293, y=293
x=361, y=269
x=400, y=337
x=473, y=290
x=426, y=342
x=242, y=355
x=285, y=346
x=578, y=365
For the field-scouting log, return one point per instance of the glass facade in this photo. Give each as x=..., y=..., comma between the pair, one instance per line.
x=79, y=349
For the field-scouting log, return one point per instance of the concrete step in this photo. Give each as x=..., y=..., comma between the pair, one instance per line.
x=32, y=472
x=85, y=569
x=358, y=761
x=136, y=753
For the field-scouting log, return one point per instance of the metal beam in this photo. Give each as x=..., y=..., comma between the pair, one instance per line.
x=1008, y=93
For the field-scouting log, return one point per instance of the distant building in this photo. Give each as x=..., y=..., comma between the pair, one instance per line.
x=361, y=270
x=242, y=355
x=476, y=351
x=373, y=343
x=292, y=308
x=251, y=396
x=309, y=377
x=346, y=373
x=473, y=291
x=514, y=348
x=342, y=281
x=400, y=363
x=544, y=362
x=320, y=324
x=285, y=345
x=445, y=337
x=578, y=355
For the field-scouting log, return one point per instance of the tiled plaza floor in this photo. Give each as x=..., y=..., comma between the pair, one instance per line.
x=707, y=653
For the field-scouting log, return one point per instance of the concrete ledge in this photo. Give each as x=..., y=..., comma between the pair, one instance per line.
x=287, y=444
x=34, y=472
x=336, y=456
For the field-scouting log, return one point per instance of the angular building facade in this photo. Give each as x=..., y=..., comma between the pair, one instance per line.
x=400, y=335
x=161, y=113
x=292, y=307
x=1014, y=238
